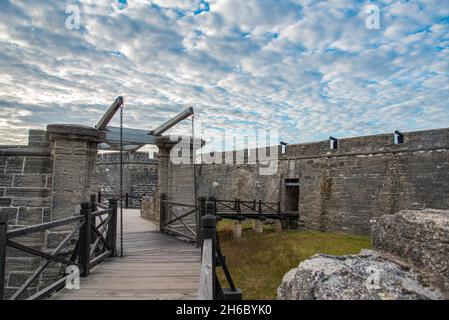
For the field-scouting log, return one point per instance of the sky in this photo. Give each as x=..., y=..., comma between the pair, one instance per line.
x=310, y=69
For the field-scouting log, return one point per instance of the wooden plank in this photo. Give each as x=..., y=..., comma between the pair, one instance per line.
x=205, y=291
x=155, y=266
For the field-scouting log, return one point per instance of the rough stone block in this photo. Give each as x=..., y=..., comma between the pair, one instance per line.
x=31, y=202
x=22, y=264
x=29, y=216
x=38, y=165
x=6, y=180
x=2, y=164
x=29, y=181
x=28, y=192
x=12, y=214
x=356, y=277
x=14, y=165
x=5, y=202
x=419, y=237
x=16, y=279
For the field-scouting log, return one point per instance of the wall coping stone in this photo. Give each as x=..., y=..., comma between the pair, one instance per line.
x=75, y=131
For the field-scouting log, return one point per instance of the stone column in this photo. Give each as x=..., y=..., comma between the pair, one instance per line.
x=73, y=151
x=176, y=180
x=237, y=229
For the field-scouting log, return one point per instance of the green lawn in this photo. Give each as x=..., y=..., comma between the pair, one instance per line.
x=258, y=262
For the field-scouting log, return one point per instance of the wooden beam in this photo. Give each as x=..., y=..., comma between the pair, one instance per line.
x=134, y=137
x=101, y=125
x=173, y=121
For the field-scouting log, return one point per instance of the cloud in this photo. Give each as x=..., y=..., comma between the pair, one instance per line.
x=308, y=68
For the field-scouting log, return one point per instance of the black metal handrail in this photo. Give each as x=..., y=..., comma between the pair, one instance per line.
x=95, y=234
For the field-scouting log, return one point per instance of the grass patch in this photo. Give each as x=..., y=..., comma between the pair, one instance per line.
x=258, y=262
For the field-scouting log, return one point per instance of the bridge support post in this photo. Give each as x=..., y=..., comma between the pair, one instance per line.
x=3, y=240
x=253, y=224
x=111, y=236
x=85, y=238
x=237, y=229
x=278, y=226
x=259, y=226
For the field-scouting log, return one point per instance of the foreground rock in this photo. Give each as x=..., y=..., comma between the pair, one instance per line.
x=355, y=277
x=411, y=261
x=421, y=238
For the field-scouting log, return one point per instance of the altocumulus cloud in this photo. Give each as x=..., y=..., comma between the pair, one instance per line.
x=308, y=68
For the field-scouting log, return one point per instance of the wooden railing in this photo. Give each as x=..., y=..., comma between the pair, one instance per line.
x=210, y=287
x=250, y=209
x=94, y=233
x=175, y=218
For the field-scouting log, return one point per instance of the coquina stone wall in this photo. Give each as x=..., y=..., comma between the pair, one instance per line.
x=26, y=174
x=40, y=182
x=140, y=175
x=347, y=188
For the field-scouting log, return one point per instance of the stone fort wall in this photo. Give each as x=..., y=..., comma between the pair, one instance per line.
x=347, y=188
x=40, y=182
x=140, y=175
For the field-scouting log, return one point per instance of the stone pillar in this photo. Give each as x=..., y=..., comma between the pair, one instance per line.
x=253, y=224
x=259, y=226
x=176, y=176
x=278, y=226
x=237, y=229
x=73, y=151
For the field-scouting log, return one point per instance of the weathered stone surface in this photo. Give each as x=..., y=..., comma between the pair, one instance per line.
x=6, y=180
x=5, y=202
x=140, y=178
x=355, y=277
x=29, y=216
x=30, y=180
x=419, y=237
x=28, y=192
x=38, y=165
x=149, y=209
x=343, y=189
x=14, y=165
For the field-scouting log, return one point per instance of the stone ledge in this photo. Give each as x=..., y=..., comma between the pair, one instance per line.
x=74, y=131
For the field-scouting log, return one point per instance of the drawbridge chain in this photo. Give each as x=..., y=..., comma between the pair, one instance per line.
x=121, y=180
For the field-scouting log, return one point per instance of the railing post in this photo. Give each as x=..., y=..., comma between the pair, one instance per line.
x=93, y=202
x=99, y=197
x=279, y=207
x=111, y=236
x=126, y=200
x=260, y=207
x=208, y=290
x=85, y=238
x=163, y=210
x=202, y=213
x=3, y=240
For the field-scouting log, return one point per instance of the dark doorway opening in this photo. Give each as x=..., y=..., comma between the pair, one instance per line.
x=292, y=194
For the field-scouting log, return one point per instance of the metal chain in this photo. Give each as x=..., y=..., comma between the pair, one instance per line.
x=121, y=180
